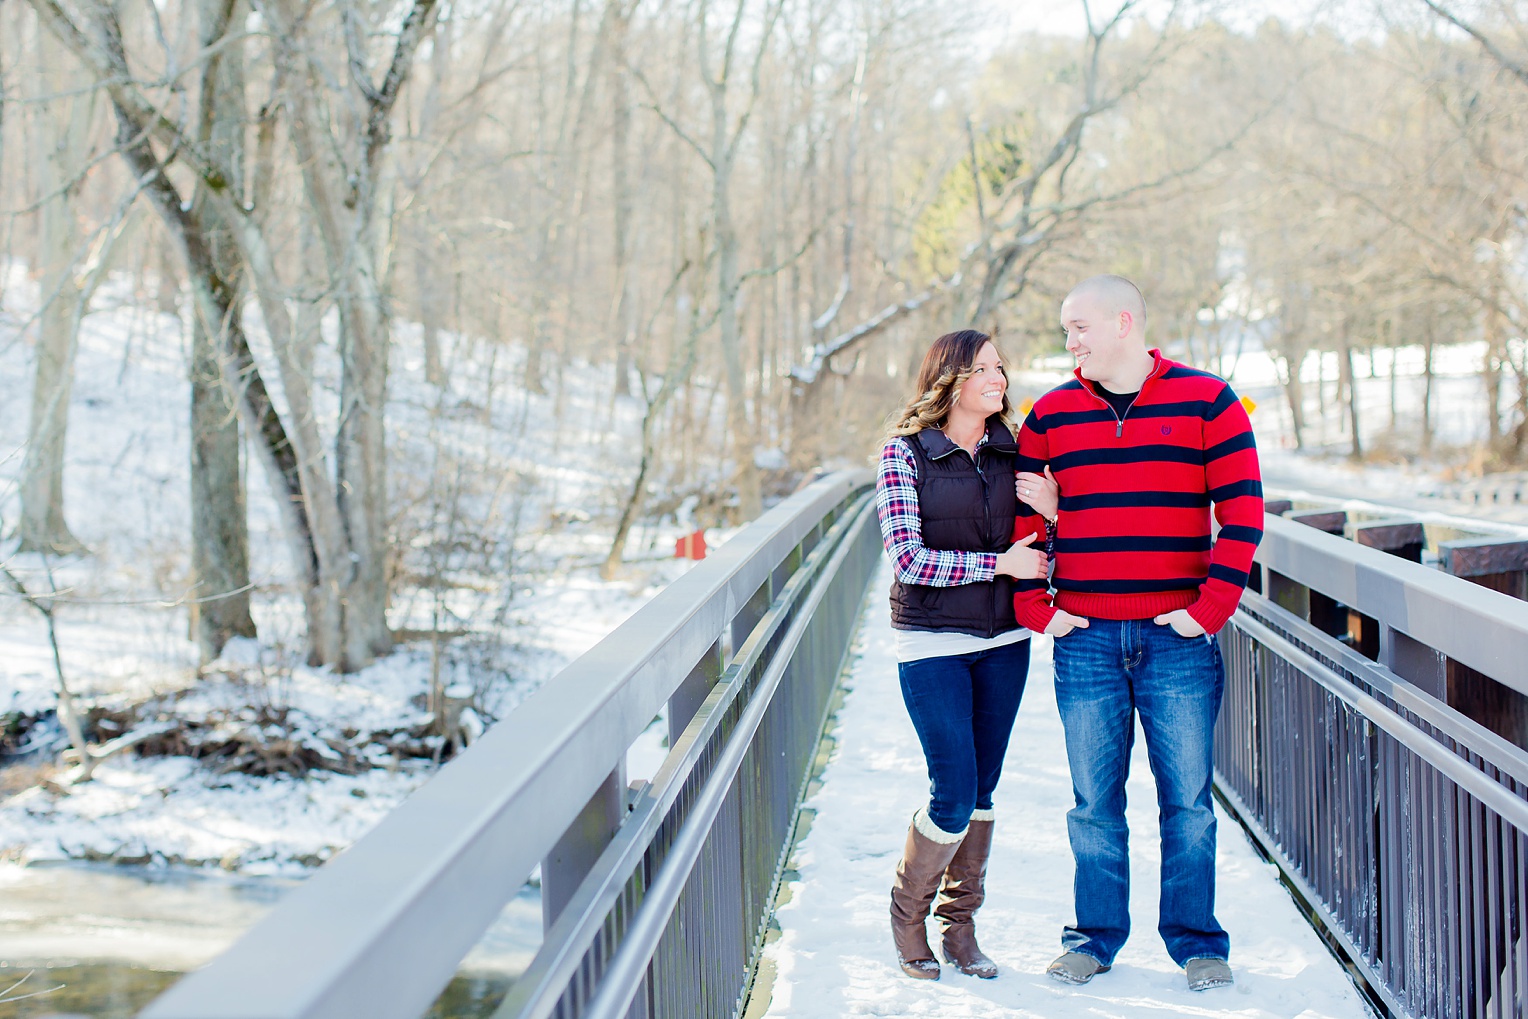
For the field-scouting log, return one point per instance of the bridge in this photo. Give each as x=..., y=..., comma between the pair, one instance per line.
x=1371, y=744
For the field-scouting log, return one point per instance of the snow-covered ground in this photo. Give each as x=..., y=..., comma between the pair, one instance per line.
x=541, y=485
x=834, y=958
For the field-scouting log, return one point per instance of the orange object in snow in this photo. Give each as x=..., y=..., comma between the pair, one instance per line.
x=691, y=546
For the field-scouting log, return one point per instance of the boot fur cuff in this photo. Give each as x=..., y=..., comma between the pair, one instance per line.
x=931, y=831
x=984, y=815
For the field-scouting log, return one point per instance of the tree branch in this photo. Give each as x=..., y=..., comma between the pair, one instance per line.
x=652, y=104
x=1485, y=41
x=806, y=375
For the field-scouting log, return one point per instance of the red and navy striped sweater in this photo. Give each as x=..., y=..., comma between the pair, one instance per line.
x=1133, y=539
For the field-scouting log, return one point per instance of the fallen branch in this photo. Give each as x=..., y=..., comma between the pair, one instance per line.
x=115, y=746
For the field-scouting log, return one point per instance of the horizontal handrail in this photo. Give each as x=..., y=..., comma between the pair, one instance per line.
x=1477, y=627
x=379, y=930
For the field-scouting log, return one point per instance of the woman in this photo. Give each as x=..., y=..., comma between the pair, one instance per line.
x=948, y=508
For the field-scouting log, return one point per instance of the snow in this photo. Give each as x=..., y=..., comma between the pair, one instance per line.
x=833, y=957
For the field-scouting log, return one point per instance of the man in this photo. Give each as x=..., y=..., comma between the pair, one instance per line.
x=1141, y=447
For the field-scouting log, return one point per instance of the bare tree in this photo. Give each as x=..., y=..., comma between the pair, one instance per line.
x=722, y=75
x=336, y=528
x=1023, y=201
x=219, y=523
x=62, y=152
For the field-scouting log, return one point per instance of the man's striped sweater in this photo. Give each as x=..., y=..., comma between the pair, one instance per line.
x=1133, y=539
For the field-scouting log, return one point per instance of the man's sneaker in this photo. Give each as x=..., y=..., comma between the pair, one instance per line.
x=1206, y=973
x=1076, y=968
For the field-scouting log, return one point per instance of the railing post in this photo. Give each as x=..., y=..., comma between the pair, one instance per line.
x=749, y=615
x=573, y=855
x=696, y=686
x=1500, y=565
x=1323, y=612
x=1497, y=563
x=1422, y=666
x=1401, y=538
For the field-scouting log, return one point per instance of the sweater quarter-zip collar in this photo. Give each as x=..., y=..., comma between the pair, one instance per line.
x=1159, y=368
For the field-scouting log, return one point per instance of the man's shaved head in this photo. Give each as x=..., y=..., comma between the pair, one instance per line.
x=1105, y=322
x=1113, y=294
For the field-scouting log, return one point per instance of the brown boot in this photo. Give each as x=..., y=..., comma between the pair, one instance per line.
x=923, y=863
x=961, y=896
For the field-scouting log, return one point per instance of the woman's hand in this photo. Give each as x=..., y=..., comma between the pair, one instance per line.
x=1063, y=623
x=1042, y=494
x=1024, y=563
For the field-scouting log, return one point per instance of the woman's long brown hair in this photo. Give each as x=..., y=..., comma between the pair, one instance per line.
x=945, y=367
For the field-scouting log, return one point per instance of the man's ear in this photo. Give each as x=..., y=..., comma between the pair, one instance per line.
x=1126, y=323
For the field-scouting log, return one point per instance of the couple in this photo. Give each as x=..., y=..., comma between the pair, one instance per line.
x=1117, y=471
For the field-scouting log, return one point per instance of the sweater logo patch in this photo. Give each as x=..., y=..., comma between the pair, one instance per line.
x=1167, y=429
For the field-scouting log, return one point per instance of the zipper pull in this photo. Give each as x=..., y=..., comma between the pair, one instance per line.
x=1119, y=428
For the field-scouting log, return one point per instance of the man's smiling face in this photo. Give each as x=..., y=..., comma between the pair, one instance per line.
x=1095, y=336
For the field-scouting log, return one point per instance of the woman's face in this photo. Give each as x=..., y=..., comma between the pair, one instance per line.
x=982, y=394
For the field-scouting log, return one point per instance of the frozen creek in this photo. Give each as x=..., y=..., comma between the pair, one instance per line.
x=111, y=938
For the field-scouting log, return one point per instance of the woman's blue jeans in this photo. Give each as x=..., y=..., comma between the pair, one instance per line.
x=1104, y=675
x=963, y=707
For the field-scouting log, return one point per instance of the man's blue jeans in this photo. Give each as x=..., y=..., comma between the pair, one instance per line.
x=963, y=707
x=1104, y=675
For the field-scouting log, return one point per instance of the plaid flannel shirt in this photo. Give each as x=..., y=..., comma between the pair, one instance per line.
x=896, y=503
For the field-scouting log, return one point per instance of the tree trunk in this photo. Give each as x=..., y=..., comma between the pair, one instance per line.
x=1345, y=366
x=1427, y=389
x=1394, y=356
x=740, y=431
x=1321, y=415
x=432, y=298
x=344, y=211
x=219, y=522
x=1294, y=391
x=65, y=129
x=167, y=286
x=1490, y=371
x=620, y=174
x=612, y=565
x=1520, y=430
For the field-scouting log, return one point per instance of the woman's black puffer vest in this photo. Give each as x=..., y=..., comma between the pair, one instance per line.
x=967, y=504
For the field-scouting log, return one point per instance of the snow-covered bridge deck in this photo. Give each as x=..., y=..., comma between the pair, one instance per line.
x=834, y=958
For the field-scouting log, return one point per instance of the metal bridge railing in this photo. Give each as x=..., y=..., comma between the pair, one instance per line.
x=656, y=900
x=1401, y=822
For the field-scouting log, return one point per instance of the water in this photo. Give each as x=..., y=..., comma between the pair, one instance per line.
x=104, y=941
x=119, y=991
